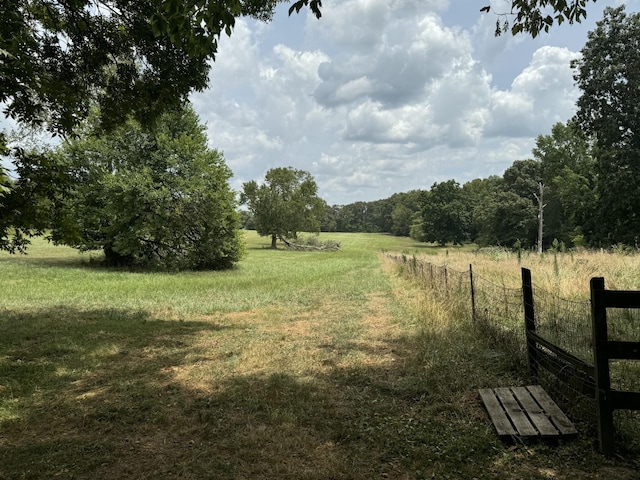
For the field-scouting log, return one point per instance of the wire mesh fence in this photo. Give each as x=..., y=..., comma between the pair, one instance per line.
x=498, y=313
x=565, y=325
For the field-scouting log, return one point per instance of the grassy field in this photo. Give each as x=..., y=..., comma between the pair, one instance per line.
x=294, y=365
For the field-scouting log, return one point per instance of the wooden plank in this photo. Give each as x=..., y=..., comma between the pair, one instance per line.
x=496, y=413
x=621, y=298
x=535, y=412
x=556, y=415
x=604, y=413
x=515, y=413
x=561, y=353
x=624, y=400
x=567, y=373
x=621, y=350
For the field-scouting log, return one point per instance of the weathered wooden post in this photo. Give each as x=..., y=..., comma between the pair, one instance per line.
x=604, y=409
x=530, y=324
x=473, y=295
x=446, y=280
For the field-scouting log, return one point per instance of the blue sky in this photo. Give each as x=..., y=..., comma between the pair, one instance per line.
x=385, y=96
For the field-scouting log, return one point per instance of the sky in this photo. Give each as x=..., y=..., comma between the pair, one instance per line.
x=385, y=96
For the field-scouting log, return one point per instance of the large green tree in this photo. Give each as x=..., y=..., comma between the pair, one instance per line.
x=608, y=73
x=149, y=197
x=406, y=208
x=478, y=193
x=446, y=213
x=59, y=59
x=506, y=218
x=402, y=217
x=567, y=169
x=27, y=200
x=523, y=178
x=285, y=204
x=354, y=217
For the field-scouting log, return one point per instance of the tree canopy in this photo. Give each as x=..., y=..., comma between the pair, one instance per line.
x=445, y=213
x=60, y=58
x=608, y=73
x=285, y=204
x=148, y=197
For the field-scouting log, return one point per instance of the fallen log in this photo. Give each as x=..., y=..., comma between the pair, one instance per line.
x=327, y=246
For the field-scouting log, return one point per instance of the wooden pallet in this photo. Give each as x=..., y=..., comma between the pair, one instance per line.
x=525, y=412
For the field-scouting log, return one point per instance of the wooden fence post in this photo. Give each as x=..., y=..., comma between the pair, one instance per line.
x=446, y=280
x=601, y=362
x=530, y=324
x=473, y=295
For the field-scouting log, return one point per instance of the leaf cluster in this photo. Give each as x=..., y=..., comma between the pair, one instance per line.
x=28, y=202
x=536, y=16
x=445, y=213
x=59, y=57
x=314, y=5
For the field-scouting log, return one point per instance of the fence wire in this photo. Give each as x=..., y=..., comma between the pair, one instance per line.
x=566, y=323
x=498, y=313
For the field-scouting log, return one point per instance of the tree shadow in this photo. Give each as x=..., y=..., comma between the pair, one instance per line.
x=68, y=377
x=117, y=394
x=54, y=261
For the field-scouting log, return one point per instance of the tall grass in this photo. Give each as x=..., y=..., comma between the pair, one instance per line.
x=566, y=274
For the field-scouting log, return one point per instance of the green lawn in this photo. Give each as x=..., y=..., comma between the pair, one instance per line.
x=293, y=365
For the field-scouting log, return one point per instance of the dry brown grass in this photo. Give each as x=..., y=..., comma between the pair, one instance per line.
x=565, y=274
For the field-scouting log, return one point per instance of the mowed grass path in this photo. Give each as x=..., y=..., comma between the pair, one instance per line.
x=294, y=365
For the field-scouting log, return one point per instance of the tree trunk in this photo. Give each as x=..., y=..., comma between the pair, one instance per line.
x=541, y=206
x=115, y=259
x=273, y=241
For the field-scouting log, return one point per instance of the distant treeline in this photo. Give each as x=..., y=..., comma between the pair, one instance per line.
x=562, y=181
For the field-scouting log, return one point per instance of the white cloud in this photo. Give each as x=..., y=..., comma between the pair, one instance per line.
x=380, y=96
x=543, y=94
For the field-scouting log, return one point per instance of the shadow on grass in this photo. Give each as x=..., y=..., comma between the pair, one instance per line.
x=113, y=394
x=54, y=261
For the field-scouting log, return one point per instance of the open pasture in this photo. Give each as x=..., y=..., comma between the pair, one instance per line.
x=296, y=365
